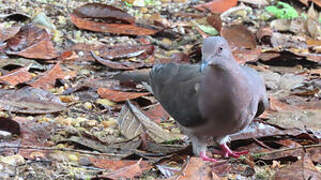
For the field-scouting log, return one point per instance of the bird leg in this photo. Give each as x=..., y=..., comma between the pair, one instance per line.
x=204, y=157
x=227, y=152
x=200, y=147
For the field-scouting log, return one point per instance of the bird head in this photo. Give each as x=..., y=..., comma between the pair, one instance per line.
x=215, y=50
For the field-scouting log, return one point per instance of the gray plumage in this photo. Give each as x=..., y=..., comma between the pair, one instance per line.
x=217, y=98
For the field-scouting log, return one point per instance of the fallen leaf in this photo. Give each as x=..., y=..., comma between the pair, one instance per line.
x=210, y=30
x=277, y=105
x=196, y=168
x=121, y=149
x=157, y=113
x=118, y=65
x=317, y=2
x=48, y=79
x=259, y=129
x=132, y=122
x=125, y=51
x=17, y=16
x=246, y=55
x=104, y=11
x=20, y=62
x=217, y=6
x=7, y=33
x=264, y=34
x=126, y=172
x=129, y=29
x=9, y=125
x=302, y=169
x=255, y=2
x=215, y=21
x=305, y=2
x=313, y=23
x=17, y=76
x=30, y=101
x=239, y=36
x=31, y=42
x=119, y=96
x=129, y=125
x=111, y=52
x=35, y=134
x=117, y=164
x=168, y=171
x=282, y=10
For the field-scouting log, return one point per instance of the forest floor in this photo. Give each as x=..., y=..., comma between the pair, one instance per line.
x=62, y=117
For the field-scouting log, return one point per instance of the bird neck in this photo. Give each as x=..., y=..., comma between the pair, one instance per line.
x=226, y=65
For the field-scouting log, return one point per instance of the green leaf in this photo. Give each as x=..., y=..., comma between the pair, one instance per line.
x=127, y=4
x=149, y=2
x=282, y=11
x=208, y=29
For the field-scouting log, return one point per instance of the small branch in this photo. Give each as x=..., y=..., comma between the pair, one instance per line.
x=58, y=149
x=257, y=155
x=261, y=143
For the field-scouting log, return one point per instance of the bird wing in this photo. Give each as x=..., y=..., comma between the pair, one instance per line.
x=258, y=87
x=175, y=86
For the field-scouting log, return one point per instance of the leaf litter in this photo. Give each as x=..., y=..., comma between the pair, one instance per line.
x=82, y=122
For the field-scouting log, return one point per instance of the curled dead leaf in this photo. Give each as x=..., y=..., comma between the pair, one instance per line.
x=129, y=29
x=30, y=100
x=31, y=42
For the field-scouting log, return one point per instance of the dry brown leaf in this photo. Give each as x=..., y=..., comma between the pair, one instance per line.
x=118, y=65
x=197, y=169
x=48, y=79
x=246, y=55
x=239, y=36
x=30, y=100
x=157, y=113
x=259, y=129
x=17, y=76
x=121, y=148
x=317, y=2
x=103, y=11
x=132, y=122
x=256, y=2
x=9, y=125
x=217, y=6
x=111, y=52
x=35, y=134
x=8, y=33
x=117, y=164
x=129, y=29
x=302, y=169
x=31, y=42
x=215, y=21
x=119, y=96
x=126, y=172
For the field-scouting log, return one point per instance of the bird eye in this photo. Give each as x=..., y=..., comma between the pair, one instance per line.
x=219, y=50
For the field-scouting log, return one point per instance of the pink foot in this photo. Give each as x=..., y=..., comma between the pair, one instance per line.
x=227, y=152
x=204, y=157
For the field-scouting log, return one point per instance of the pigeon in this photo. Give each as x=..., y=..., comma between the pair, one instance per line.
x=211, y=100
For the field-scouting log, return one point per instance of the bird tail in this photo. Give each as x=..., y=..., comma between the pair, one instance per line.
x=134, y=76
x=142, y=77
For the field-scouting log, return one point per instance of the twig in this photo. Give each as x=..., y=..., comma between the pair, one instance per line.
x=261, y=143
x=58, y=149
x=257, y=155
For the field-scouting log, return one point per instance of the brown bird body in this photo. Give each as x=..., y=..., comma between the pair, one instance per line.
x=212, y=100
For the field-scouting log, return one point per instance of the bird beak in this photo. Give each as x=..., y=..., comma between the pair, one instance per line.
x=206, y=63
x=203, y=65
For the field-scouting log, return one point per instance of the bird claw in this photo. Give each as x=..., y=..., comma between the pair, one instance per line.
x=204, y=157
x=236, y=154
x=227, y=152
